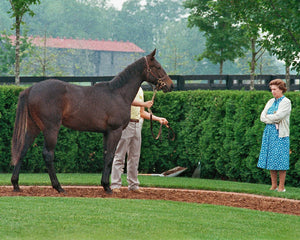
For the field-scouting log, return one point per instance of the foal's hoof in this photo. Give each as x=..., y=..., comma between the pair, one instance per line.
x=108, y=190
x=17, y=190
x=59, y=189
x=16, y=187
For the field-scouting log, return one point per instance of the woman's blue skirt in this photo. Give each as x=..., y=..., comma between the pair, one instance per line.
x=275, y=151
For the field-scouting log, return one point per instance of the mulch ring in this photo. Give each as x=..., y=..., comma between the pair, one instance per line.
x=240, y=200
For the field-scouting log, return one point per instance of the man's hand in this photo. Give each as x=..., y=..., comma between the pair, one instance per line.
x=163, y=121
x=148, y=104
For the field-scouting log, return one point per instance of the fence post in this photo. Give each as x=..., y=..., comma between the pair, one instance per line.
x=180, y=83
x=267, y=81
x=292, y=84
x=229, y=82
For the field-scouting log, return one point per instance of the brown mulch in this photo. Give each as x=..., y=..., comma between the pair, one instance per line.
x=241, y=200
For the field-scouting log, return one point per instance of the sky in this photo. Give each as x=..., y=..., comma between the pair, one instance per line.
x=117, y=3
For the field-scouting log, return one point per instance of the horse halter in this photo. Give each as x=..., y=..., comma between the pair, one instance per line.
x=160, y=81
x=160, y=84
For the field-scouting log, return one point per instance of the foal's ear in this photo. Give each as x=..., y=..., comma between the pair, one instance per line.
x=153, y=54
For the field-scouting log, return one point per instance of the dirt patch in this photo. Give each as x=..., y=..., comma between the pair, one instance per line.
x=241, y=200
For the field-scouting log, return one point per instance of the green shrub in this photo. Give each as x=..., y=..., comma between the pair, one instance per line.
x=221, y=129
x=8, y=101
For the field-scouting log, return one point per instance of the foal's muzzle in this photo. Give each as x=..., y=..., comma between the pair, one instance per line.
x=166, y=84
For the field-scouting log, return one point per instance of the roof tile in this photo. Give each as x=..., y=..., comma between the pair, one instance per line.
x=96, y=45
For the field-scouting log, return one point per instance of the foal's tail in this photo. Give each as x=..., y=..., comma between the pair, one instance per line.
x=20, y=129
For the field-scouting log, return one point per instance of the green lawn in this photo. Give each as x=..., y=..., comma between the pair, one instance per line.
x=85, y=218
x=150, y=181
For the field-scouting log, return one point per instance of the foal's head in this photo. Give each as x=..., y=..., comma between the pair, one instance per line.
x=156, y=75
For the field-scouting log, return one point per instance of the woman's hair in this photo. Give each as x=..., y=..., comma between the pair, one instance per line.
x=279, y=83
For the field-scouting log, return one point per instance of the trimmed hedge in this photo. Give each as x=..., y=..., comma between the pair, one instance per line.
x=220, y=129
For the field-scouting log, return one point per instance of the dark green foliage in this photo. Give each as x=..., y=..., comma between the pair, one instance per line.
x=221, y=129
x=8, y=101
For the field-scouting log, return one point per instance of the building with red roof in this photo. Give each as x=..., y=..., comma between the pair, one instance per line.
x=93, y=45
x=103, y=58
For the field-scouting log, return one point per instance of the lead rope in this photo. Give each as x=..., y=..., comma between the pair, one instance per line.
x=160, y=128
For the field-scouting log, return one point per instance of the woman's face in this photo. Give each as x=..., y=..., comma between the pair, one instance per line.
x=277, y=93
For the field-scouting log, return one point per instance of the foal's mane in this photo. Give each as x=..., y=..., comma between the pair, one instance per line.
x=129, y=72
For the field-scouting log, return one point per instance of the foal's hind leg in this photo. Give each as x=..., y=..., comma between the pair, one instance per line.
x=32, y=132
x=48, y=154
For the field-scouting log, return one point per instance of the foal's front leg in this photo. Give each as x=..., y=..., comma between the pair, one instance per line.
x=48, y=154
x=110, y=142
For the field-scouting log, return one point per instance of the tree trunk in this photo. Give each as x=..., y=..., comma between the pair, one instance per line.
x=17, y=52
x=221, y=67
x=221, y=70
x=287, y=76
x=253, y=62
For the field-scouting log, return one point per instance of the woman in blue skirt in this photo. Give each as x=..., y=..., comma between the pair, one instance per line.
x=275, y=148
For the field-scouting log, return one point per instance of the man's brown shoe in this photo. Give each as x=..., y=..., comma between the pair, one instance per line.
x=116, y=190
x=137, y=190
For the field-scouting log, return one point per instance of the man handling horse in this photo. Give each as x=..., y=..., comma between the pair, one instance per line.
x=130, y=143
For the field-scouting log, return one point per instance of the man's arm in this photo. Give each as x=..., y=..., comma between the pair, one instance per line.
x=146, y=115
x=137, y=103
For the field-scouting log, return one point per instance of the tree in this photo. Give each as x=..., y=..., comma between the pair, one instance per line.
x=139, y=21
x=176, y=57
x=8, y=49
x=281, y=25
x=5, y=19
x=243, y=14
x=278, y=25
x=18, y=9
x=42, y=61
x=148, y=24
x=7, y=54
x=267, y=64
x=72, y=18
x=224, y=39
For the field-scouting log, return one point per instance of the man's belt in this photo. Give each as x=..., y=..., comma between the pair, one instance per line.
x=134, y=120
